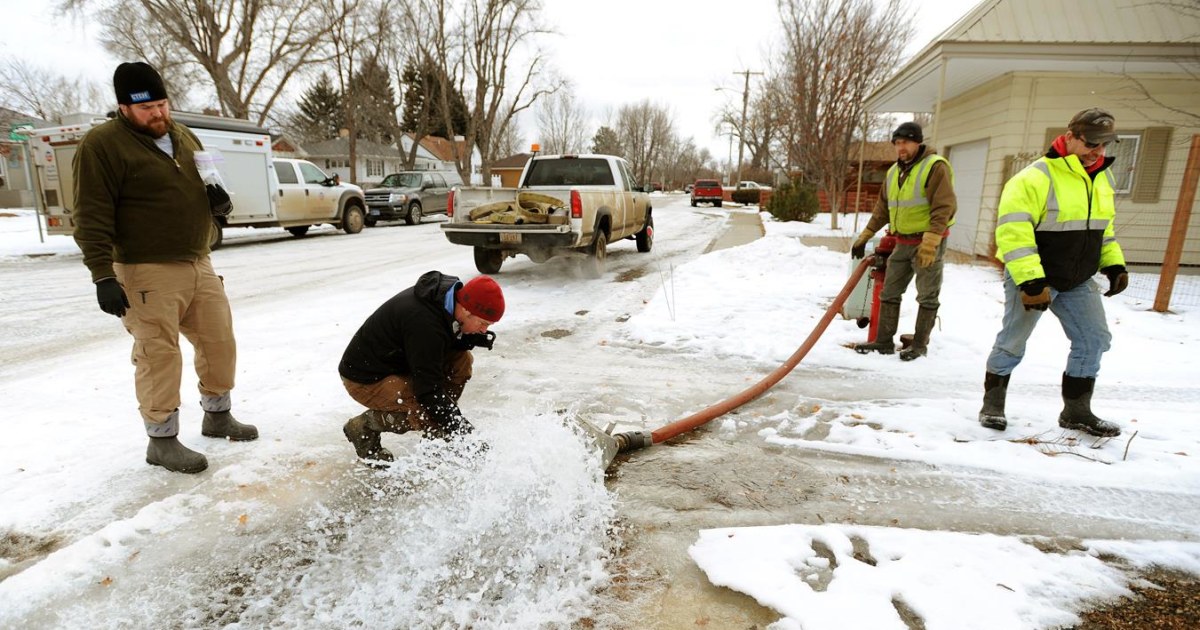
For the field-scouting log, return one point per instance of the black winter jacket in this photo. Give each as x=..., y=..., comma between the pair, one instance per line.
x=410, y=335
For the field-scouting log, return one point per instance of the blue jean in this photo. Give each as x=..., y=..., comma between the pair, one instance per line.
x=1081, y=314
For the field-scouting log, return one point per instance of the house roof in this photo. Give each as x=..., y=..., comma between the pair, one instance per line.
x=340, y=147
x=516, y=161
x=8, y=117
x=998, y=37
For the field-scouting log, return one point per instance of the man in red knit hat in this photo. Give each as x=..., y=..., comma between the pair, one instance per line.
x=410, y=360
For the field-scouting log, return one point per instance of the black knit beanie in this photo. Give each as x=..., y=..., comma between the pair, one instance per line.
x=909, y=131
x=138, y=82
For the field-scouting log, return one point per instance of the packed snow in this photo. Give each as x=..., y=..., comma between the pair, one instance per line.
x=290, y=531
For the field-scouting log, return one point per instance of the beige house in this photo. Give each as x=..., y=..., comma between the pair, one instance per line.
x=1004, y=80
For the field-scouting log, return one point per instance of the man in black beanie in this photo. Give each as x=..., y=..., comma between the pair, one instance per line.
x=143, y=221
x=917, y=203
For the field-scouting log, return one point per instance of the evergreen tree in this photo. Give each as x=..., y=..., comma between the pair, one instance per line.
x=422, y=98
x=375, y=104
x=606, y=141
x=320, y=114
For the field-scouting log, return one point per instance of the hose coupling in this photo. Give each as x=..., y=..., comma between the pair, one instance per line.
x=633, y=440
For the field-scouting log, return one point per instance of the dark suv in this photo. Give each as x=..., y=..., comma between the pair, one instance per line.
x=410, y=195
x=707, y=190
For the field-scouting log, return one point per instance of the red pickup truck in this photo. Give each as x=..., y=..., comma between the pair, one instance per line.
x=707, y=190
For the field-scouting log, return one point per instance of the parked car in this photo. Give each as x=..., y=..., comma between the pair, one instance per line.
x=707, y=190
x=748, y=185
x=688, y=188
x=410, y=195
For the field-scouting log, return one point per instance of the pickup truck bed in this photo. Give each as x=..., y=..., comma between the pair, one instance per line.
x=566, y=205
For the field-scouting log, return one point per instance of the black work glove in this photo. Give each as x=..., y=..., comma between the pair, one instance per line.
x=219, y=202
x=1118, y=279
x=858, y=251
x=111, y=297
x=479, y=340
x=1035, y=294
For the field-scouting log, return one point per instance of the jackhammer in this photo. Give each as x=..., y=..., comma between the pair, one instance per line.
x=611, y=445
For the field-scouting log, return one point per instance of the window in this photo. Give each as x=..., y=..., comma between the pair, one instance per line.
x=374, y=168
x=312, y=174
x=330, y=164
x=1126, y=154
x=439, y=181
x=285, y=173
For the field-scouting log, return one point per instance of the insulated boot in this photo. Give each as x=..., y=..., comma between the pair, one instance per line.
x=363, y=432
x=889, y=318
x=1077, y=408
x=926, y=318
x=175, y=457
x=995, y=387
x=221, y=424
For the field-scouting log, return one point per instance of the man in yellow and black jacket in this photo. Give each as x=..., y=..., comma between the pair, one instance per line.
x=918, y=204
x=1054, y=231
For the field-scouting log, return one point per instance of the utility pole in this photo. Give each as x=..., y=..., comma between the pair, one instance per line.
x=742, y=129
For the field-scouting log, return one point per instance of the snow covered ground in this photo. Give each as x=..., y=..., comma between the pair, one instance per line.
x=289, y=531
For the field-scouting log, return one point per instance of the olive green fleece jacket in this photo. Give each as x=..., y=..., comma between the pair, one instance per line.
x=136, y=204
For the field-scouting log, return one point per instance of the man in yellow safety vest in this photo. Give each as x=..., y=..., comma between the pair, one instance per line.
x=917, y=203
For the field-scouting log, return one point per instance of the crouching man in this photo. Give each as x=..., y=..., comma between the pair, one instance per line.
x=410, y=360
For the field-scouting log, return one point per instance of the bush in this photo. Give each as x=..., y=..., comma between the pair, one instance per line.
x=794, y=202
x=745, y=196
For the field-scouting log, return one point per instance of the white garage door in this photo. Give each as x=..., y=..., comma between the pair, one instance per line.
x=969, y=161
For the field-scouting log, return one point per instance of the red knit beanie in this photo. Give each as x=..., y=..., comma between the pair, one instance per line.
x=482, y=298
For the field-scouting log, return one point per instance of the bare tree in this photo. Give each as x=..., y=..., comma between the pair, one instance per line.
x=645, y=131
x=493, y=33
x=562, y=123
x=836, y=52
x=248, y=49
x=34, y=90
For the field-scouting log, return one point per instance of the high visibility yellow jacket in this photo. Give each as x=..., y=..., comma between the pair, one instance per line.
x=925, y=202
x=1055, y=221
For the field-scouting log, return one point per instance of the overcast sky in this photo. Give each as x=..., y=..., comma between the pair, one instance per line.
x=615, y=52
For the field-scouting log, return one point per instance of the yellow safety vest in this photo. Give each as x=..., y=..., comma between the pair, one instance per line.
x=908, y=205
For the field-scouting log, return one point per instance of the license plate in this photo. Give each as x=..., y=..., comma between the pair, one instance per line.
x=510, y=237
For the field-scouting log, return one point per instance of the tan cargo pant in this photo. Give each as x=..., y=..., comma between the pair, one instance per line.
x=394, y=394
x=166, y=299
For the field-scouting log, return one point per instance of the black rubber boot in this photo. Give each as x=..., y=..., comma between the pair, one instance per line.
x=1077, y=408
x=926, y=318
x=221, y=424
x=175, y=457
x=995, y=387
x=889, y=318
x=363, y=432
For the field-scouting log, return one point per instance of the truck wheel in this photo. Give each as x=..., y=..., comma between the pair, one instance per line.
x=299, y=230
x=352, y=219
x=717, y=204
x=488, y=261
x=593, y=265
x=215, y=238
x=645, y=238
x=414, y=214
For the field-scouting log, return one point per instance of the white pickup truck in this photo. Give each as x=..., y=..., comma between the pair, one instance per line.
x=564, y=205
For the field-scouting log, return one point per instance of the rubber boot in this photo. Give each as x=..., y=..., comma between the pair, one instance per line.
x=889, y=318
x=175, y=457
x=995, y=387
x=363, y=432
x=221, y=424
x=1077, y=408
x=926, y=318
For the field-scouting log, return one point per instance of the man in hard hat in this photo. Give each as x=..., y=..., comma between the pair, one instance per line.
x=917, y=203
x=410, y=360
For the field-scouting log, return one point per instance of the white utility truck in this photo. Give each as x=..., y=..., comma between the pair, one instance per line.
x=266, y=191
x=565, y=204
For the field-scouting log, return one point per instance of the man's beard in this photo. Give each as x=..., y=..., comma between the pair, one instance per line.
x=155, y=128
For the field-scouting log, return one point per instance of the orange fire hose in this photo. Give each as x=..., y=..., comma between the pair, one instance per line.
x=629, y=441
